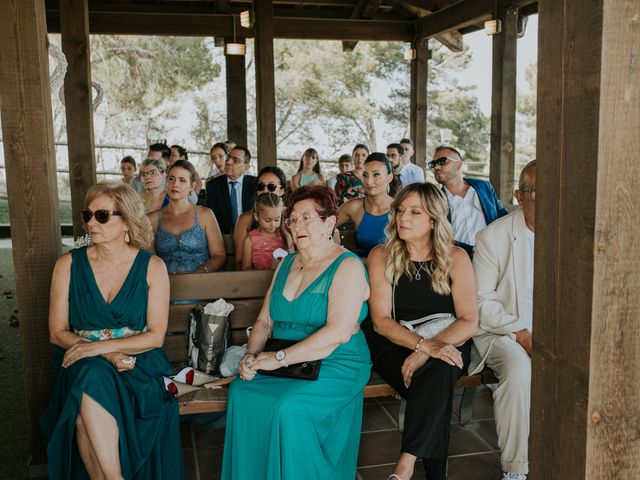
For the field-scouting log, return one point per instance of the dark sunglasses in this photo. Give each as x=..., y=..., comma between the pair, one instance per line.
x=102, y=216
x=272, y=187
x=439, y=161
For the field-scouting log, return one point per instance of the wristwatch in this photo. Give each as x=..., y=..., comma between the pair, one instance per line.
x=280, y=357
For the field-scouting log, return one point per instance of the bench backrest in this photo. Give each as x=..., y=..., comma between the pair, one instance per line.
x=246, y=290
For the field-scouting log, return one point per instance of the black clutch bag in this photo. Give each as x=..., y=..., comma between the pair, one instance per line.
x=300, y=371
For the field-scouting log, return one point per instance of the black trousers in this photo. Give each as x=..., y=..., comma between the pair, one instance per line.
x=427, y=423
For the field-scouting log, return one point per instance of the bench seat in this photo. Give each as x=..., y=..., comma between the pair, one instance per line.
x=246, y=291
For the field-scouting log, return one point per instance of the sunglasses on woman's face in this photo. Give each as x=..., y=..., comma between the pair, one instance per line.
x=272, y=187
x=102, y=216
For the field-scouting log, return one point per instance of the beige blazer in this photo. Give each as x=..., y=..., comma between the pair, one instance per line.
x=500, y=264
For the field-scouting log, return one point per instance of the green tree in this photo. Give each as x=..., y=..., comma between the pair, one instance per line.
x=449, y=105
x=140, y=76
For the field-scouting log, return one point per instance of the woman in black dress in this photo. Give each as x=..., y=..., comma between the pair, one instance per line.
x=418, y=272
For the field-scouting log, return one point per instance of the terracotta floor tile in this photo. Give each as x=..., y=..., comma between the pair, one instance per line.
x=189, y=466
x=210, y=462
x=483, y=404
x=379, y=448
x=465, y=440
x=475, y=467
x=376, y=418
x=382, y=472
x=487, y=430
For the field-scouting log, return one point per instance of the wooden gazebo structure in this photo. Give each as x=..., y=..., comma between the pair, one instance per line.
x=585, y=412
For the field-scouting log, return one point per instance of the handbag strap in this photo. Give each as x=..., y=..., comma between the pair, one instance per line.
x=393, y=300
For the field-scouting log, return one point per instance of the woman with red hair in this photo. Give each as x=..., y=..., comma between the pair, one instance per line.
x=288, y=427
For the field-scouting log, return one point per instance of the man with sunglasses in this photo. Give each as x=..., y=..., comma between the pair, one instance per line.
x=234, y=192
x=473, y=203
x=503, y=264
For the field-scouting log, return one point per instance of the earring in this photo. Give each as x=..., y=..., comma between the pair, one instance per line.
x=126, y=236
x=331, y=238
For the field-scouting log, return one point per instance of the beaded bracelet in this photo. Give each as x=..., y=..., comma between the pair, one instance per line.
x=417, y=347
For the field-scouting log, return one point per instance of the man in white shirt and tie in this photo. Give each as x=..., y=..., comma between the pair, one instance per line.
x=234, y=192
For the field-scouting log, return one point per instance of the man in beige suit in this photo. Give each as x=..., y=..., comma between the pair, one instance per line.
x=503, y=263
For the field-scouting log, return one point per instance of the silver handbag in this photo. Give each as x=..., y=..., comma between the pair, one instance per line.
x=427, y=327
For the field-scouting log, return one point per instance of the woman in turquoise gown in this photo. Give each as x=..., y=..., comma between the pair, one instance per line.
x=282, y=428
x=109, y=414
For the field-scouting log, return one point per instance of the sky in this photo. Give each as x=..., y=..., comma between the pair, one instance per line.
x=479, y=72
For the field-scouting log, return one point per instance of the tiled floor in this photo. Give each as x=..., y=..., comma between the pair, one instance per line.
x=473, y=451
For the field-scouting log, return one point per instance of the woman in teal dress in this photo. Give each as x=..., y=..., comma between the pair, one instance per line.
x=282, y=428
x=109, y=415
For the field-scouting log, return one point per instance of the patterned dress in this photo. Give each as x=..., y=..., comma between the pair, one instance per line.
x=146, y=414
x=348, y=186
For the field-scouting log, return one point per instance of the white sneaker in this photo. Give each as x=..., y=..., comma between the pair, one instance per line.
x=513, y=476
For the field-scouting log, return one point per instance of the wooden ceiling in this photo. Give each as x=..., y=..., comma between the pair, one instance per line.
x=346, y=20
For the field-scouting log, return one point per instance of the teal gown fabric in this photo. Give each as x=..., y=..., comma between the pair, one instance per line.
x=146, y=414
x=280, y=428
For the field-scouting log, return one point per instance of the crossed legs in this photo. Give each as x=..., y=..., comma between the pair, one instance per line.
x=97, y=438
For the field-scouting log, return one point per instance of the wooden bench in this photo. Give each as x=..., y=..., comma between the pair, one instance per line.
x=246, y=291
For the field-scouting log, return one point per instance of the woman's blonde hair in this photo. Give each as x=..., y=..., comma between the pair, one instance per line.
x=396, y=252
x=130, y=206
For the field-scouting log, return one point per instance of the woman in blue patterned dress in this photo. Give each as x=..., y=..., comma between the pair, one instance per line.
x=188, y=238
x=283, y=428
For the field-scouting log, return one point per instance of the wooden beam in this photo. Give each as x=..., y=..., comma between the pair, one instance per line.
x=236, y=79
x=265, y=84
x=452, y=40
x=78, y=99
x=360, y=30
x=27, y=129
x=503, y=106
x=418, y=102
x=586, y=353
x=218, y=25
x=463, y=14
x=363, y=9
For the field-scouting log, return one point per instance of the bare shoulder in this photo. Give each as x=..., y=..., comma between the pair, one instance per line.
x=376, y=255
x=205, y=213
x=156, y=267
x=459, y=257
x=63, y=264
x=352, y=205
x=350, y=273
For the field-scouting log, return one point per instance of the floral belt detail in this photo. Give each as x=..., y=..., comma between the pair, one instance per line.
x=107, y=333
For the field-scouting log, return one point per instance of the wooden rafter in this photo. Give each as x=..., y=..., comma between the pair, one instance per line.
x=463, y=14
x=222, y=25
x=363, y=9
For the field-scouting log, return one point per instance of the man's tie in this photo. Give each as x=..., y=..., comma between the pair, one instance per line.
x=234, y=204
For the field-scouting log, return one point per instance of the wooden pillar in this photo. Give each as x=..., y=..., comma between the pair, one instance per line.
x=418, y=102
x=265, y=84
x=78, y=97
x=236, y=97
x=586, y=355
x=503, y=106
x=27, y=130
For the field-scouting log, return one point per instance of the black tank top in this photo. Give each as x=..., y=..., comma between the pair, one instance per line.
x=415, y=298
